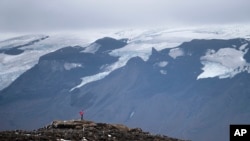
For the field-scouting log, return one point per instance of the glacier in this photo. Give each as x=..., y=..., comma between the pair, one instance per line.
x=225, y=63
x=140, y=43
x=12, y=66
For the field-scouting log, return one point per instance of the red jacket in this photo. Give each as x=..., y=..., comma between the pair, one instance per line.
x=81, y=113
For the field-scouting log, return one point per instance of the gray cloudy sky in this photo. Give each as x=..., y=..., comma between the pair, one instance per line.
x=52, y=15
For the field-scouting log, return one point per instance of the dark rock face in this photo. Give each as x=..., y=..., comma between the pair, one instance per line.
x=84, y=130
x=161, y=95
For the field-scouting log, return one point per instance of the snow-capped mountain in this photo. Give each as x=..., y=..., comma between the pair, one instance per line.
x=189, y=83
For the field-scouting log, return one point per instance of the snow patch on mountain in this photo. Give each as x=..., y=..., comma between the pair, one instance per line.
x=243, y=47
x=225, y=63
x=161, y=64
x=69, y=66
x=133, y=50
x=107, y=70
x=131, y=114
x=92, y=48
x=164, y=72
x=176, y=52
x=92, y=78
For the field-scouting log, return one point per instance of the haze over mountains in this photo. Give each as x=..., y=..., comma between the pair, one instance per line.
x=188, y=83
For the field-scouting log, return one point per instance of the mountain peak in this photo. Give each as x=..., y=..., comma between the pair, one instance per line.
x=154, y=51
x=108, y=44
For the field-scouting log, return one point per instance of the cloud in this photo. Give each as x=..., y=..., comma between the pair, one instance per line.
x=23, y=15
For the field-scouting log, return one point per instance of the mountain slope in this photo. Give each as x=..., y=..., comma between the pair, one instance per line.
x=174, y=102
x=193, y=91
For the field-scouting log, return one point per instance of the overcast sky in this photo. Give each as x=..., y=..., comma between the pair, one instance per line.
x=53, y=15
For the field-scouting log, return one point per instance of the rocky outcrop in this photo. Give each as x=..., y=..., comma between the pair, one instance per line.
x=76, y=130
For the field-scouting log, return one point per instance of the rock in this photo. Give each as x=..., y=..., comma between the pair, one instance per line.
x=73, y=130
x=121, y=127
x=78, y=127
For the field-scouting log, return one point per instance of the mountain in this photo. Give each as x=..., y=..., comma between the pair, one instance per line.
x=193, y=90
x=83, y=130
x=166, y=94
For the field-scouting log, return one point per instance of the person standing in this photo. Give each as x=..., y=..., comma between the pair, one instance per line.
x=81, y=114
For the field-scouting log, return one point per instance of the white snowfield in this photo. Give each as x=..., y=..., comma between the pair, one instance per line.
x=17, y=41
x=225, y=63
x=12, y=66
x=140, y=44
x=176, y=52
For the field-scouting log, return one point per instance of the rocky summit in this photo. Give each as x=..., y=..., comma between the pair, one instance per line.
x=76, y=130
